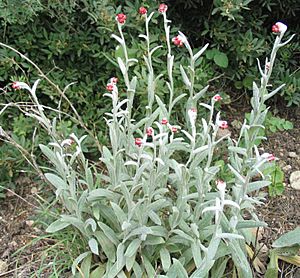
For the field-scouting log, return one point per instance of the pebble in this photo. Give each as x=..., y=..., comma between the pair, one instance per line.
x=293, y=155
x=295, y=180
x=3, y=266
x=287, y=168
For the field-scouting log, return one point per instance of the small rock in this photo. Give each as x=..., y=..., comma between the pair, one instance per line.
x=34, y=190
x=295, y=180
x=293, y=155
x=29, y=223
x=287, y=168
x=3, y=266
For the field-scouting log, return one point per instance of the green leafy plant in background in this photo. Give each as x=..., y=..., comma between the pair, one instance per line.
x=276, y=188
x=157, y=205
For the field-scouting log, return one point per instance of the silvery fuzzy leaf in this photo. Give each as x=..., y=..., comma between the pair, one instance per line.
x=109, y=233
x=154, y=217
x=186, y=80
x=120, y=256
x=199, y=53
x=165, y=258
x=131, y=163
x=170, y=66
x=93, y=244
x=159, y=160
x=246, y=224
x=146, y=156
x=230, y=236
x=196, y=250
x=238, y=150
x=77, y=261
x=189, y=136
x=200, y=94
x=57, y=226
x=209, y=107
x=118, y=39
x=266, y=97
x=231, y=203
x=122, y=65
x=148, y=266
x=56, y=181
x=129, y=262
x=90, y=222
x=107, y=246
x=180, y=269
x=149, y=17
x=140, y=231
x=237, y=174
x=200, y=149
x=162, y=106
x=130, y=62
x=121, y=103
x=255, y=98
x=183, y=235
x=154, y=49
x=177, y=99
x=143, y=36
x=99, y=193
x=256, y=185
x=120, y=214
x=239, y=257
x=133, y=83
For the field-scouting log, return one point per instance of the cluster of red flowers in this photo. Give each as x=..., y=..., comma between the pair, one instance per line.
x=111, y=84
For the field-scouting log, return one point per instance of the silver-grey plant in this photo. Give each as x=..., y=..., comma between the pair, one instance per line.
x=159, y=208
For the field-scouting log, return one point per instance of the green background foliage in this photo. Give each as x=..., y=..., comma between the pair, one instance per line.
x=70, y=41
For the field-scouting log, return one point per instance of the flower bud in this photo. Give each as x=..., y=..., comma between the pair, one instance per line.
x=221, y=185
x=149, y=131
x=178, y=41
x=174, y=129
x=217, y=97
x=162, y=8
x=142, y=10
x=222, y=124
x=110, y=87
x=192, y=113
x=268, y=156
x=279, y=28
x=121, y=18
x=16, y=85
x=164, y=121
x=114, y=80
x=138, y=141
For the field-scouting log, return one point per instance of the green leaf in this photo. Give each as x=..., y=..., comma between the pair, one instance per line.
x=133, y=247
x=106, y=245
x=221, y=59
x=57, y=226
x=165, y=258
x=93, y=244
x=56, y=181
x=98, y=272
x=288, y=239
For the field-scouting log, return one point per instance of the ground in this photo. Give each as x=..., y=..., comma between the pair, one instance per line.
x=281, y=213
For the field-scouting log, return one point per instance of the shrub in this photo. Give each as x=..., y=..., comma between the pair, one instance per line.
x=157, y=205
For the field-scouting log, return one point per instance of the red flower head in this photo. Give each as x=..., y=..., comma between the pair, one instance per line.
x=268, y=156
x=142, y=10
x=121, y=18
x=162, y=8
x=164, y=121
x=149, y=131
x=217, y=97
x=114, y=80
x=16, y=86
x=138, y=141
x=174, y=129
x=110, y=87
x=178, y=41
x=223, y=124
x=279, y=28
